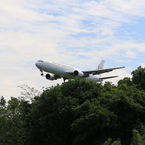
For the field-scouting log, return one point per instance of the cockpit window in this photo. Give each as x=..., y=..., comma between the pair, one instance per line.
x=40, y=60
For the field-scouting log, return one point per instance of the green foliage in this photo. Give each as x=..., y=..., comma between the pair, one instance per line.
x=126, y=81
x=2, y=102
x=136, y=139
x=138, y=77
x=87, y=113
x=117, y=142
x=11, y=128
x=75, y=113
x=108, y=142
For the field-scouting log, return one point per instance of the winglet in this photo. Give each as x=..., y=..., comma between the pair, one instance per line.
x=101, y=65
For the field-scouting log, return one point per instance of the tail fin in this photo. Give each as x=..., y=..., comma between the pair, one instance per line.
x=100, y=66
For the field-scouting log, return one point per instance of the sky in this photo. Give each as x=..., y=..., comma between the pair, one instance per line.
x=77, y=33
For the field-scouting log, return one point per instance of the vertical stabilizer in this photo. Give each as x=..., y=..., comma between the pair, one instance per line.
x=101, y=65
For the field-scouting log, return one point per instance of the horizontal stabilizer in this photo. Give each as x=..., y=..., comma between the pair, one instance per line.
x=108, y=77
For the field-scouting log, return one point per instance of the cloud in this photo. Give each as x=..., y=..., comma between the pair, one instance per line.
x=79, y=33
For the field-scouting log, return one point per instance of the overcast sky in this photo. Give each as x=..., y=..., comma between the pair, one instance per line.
x=79, y=33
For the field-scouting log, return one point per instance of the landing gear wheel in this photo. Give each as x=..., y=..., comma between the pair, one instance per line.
x=64, y=79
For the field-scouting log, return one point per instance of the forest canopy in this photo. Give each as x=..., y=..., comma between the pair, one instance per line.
x=77, y=112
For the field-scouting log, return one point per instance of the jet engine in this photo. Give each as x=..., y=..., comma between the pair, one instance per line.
x=78, y=73
x=51, y=77
x=94, y=78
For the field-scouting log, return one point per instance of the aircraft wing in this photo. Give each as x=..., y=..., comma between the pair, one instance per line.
x=100, y=71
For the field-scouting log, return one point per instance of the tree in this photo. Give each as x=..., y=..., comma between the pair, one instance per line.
x=2, y=102
x=11, y=121
x=126, y=81
x=108, y=142
x=138, y=77
x=53, y=113
x=28, y=93
x=82, y=112
x=136, y=139
x=117, y=142
x=78, y=107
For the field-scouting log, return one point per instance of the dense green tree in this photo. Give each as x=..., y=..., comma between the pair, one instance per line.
x=108, y=142
x=126, y=81
x=53, y=113
x=11, y=121
x=49, y=118
x=117, y=142
x=130, y=109
x=87, y=113
x=136, y=139
x=2, y=102
x=138, y=77
x=75, y=113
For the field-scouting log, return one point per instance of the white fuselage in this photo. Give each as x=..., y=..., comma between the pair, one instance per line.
x=55, y=68
x=61, y=70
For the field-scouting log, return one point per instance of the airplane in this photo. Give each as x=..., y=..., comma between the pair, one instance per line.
x=57, y=71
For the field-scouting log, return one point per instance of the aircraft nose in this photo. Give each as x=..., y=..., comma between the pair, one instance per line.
x=37, y=64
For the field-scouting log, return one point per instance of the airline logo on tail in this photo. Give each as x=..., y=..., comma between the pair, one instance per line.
x=101, y=65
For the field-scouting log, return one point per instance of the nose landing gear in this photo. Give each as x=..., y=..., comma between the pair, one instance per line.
x=42, y=73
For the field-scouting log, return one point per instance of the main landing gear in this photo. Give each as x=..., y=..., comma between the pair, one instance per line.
x=64, y=80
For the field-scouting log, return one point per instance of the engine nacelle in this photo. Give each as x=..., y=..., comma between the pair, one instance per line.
x=78, y=73
x=51, y=77
x=94, y=78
